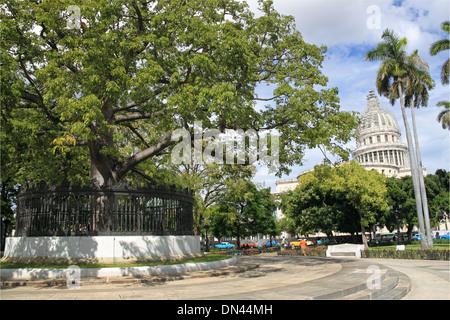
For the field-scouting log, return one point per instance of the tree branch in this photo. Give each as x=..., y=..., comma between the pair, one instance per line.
x=129, y=126
x=139, y=14
x=262, y=99
x=139, y=157
x=134, y=116
x=129, y=105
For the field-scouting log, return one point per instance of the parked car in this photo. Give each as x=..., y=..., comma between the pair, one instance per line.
x=248, y=243
x=417, y=237
x=268, y=244
x=224, y=245
x=296, y=243
x=323, y=241
x=445, y=235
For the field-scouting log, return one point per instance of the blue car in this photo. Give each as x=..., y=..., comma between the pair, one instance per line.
x=444, y=236
x=323, y=241
x=273, y=243
x=224, y=245
x=417, y=237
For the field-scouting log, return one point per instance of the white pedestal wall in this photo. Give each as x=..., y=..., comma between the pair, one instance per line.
x=106, y=249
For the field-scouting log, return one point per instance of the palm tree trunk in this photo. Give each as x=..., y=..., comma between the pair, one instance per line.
x=413, y=164
x=422, y=183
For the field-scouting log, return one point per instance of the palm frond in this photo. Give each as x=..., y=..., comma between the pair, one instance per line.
x=444, y=116
x=445, y=26
x=439, y=45
x=445, y=72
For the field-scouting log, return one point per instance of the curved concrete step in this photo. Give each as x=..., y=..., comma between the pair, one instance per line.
x=401, y=289
x=355, y=283
x=393, y=285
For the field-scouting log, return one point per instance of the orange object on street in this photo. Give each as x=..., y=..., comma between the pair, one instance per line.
x=303, y=243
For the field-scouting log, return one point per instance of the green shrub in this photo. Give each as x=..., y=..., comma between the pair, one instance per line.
x=316, y=251
x=433, y=254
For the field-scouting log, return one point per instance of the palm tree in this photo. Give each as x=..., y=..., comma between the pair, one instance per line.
x=395, y=70
x=439, y=46
x=436, y=47
x=444, y=115
x=417, y=84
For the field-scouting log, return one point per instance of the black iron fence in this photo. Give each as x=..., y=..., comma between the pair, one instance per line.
x=109, y=210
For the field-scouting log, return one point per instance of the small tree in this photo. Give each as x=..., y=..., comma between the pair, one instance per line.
x=311, y=205
x=245, y=211
x=364, y=190
x=342, y=198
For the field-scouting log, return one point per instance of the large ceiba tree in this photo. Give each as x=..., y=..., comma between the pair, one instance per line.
x=94, y=89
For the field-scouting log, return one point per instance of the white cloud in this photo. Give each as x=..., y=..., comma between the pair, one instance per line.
x=342, y=26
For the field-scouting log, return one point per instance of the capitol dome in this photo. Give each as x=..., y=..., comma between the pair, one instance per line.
x=378, y=145
x=375, y=118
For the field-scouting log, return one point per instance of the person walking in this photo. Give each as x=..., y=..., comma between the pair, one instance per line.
x=303, y=246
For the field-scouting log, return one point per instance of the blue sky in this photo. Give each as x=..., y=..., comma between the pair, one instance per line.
x=349, y=28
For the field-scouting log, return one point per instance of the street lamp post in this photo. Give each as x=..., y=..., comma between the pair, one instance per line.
x=396, y=211
x=207, y=225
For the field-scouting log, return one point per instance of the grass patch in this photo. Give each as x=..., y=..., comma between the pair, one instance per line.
x=413, y=246
x=206, y=258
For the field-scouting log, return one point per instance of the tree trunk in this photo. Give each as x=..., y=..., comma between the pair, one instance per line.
x=423, y=192
x=102, y=174
x=363, y=232
x=413, y=165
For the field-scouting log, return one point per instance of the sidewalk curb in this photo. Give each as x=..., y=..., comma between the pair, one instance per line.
x=13, y=277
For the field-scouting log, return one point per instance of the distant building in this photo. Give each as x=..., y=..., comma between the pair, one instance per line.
x=378, y=146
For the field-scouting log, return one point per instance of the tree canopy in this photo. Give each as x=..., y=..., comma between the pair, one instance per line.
x=93, y=89
x=245, y=211
x=347, y=198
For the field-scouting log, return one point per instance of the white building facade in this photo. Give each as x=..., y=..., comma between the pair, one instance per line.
x=378, y=146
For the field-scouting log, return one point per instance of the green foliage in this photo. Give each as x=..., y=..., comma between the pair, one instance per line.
x=401, y=197
x=438, y=192
x=440, y=46
x=346, y=198
x=401, y=192
x=210, y=183
x=244, y=211
x=432, y=254
x=315, y=251
x=96, y=95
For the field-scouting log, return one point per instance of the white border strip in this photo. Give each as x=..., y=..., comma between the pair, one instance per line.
x=117, y=272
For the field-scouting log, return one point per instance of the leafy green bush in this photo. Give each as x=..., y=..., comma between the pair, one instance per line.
x=433, y=254
x=316, y=251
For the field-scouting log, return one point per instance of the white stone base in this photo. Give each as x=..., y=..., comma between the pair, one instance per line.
x=102, y=249
x=345, y=250
x=116, y=272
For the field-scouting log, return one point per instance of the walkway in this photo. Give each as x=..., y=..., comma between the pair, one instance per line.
x=266, y=278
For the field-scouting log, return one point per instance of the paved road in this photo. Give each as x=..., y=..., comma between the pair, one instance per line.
x=276, y=278
x=430, y=280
